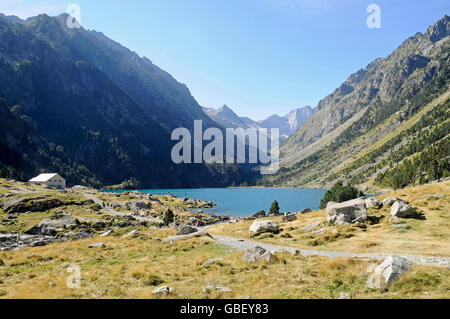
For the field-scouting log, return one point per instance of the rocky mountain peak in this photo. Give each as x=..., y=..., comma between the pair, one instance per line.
x=439, y=30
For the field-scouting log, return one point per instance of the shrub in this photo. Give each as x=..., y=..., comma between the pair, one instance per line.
x=168, y=217
x=339, y=193
x=96, y=207
x=153, y=280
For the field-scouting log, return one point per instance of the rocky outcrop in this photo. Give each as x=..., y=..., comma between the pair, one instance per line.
x=257, y=254
x=52, y=226
x=37, y=204
x=347, y=212
x=139, y=205
x=18, y=241
x=391, y=269
x=264, y=226
x=401, y=210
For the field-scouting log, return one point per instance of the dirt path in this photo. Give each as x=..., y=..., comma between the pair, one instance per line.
x=114, y=212
x=244, y=244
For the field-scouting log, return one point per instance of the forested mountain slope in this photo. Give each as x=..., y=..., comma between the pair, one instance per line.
x=372, y=108
x=84, y=106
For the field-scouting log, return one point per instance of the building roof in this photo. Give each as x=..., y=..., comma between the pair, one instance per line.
x=43, y=178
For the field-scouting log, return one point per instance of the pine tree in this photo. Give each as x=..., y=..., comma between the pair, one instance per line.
x=169, y=217
x=274, y=209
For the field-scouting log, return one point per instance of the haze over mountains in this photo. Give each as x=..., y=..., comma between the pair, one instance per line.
x=74, y=101
x=287, y=124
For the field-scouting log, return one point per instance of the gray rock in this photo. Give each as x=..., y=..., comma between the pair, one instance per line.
x=305, y=211
x=193, y=235
x=51, y=226
x=107, y=233
x=98, y=225
x=259, y=214
x=82, y=234
x=289, y=218
x=216, y=287
x=401, y=210
x=18, y=241
x=264, y=226
x=347, y=212
x=212, y=261
x=132, y=233
x=391, y=269
x=186, y=230
x=373, y=202
x=311, y=226
x=319, y=231
x=391, y=200
x=257, y=254
x=164, y=290
x=97, y=245
x=139, y=205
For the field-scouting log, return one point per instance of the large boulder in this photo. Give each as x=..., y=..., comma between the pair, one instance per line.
x=257, y=254
x=186, y=230
x=51, y=226
x=401, y=210
x=261, y=226
x=391, y=269
x=347, y=212
x=391, y=200
x=289, y=218
x=373, y=202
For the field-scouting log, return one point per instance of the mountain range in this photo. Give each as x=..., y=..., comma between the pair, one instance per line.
x=287, y=124
x=76, y=102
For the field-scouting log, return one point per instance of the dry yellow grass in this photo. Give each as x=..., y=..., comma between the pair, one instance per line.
x=133, y=268
x=421, y=237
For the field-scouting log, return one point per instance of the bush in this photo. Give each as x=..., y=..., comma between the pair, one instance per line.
x=339, y=193
x=274, y=209
x=153, y=280
x=96, y=207
x=168, y=217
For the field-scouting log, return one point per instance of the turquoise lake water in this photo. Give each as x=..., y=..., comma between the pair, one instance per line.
x=247, y=201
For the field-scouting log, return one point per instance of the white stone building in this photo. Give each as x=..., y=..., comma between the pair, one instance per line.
x=52, y=180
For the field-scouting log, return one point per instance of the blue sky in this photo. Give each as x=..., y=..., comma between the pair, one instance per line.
x=257, y=56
